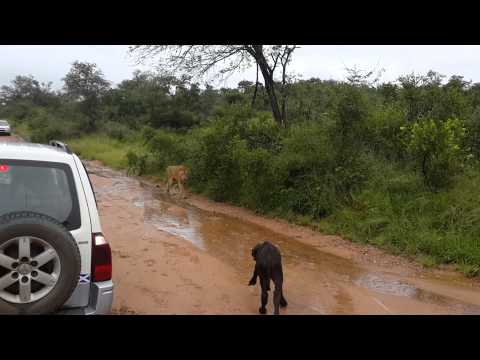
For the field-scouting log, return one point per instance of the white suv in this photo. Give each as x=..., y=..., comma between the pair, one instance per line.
x=53, y=256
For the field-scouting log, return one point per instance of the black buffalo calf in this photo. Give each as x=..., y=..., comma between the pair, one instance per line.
x=268, y=266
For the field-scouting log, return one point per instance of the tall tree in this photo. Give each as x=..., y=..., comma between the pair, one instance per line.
x=86, y=83
x=285, y=59
x=198, y=60
x=28, y=88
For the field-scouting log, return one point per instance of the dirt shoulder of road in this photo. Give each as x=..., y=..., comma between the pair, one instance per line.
x=11, y=138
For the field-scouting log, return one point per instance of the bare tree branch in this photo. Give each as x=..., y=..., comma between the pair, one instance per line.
x=198, y=60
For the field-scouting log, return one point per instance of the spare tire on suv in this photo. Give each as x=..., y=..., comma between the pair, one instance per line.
x=39, y=264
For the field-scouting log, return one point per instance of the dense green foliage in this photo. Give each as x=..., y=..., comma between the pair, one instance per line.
x=393, y=164
x=437, y=149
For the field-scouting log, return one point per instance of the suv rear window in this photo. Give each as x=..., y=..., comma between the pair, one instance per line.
x=43, y=187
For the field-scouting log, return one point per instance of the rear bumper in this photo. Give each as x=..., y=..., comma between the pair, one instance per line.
x=101, y=298
x=100, y=303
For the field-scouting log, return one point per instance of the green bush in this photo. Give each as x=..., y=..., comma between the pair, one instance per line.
x=351, y=112
x=136, y=164
x=19, y=110
x=175, y=119
x=115, y=130
x=261, y=131
x=383, y=134
x=44, y=126
x=164, y=148
x=305, y=167
x=313, y=180
x=437, y=149
x=259, y=183
x=215, y=169
x=252, y=162
x=230, y=157
x=473, y=133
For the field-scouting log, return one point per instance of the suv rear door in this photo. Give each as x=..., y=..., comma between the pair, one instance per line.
x=53, y=189
x=83, y=237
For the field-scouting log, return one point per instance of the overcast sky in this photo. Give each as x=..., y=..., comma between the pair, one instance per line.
x=51, y=63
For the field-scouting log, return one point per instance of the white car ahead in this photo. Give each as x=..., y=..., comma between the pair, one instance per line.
x=5, y=127
x=53, y=255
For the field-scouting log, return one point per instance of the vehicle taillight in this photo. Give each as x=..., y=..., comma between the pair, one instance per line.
x=101, y=258
x=4, y=168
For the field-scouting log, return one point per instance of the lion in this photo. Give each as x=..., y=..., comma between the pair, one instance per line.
x=179, y=174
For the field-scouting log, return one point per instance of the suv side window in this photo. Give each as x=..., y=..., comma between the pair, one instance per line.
x=44, y=187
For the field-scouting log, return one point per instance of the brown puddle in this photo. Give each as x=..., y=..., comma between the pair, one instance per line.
x=315, y=281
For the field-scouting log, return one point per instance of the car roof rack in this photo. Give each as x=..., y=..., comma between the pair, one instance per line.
x=61, y=145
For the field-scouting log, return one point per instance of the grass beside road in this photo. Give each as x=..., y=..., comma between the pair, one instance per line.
x=395, y=214
x=109, y=151
x=21, y=130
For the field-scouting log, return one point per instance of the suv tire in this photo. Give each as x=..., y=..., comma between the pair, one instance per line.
x=55, y=236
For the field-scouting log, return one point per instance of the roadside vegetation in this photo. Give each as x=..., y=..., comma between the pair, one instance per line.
x=395, y=165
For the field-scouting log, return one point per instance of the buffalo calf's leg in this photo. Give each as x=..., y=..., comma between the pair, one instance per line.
x=277, y=295
x=278, y=299
x=263, y=308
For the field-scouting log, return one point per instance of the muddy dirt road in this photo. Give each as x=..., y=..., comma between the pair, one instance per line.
x=192, y=256
x=9, y=138
x=174, y=256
